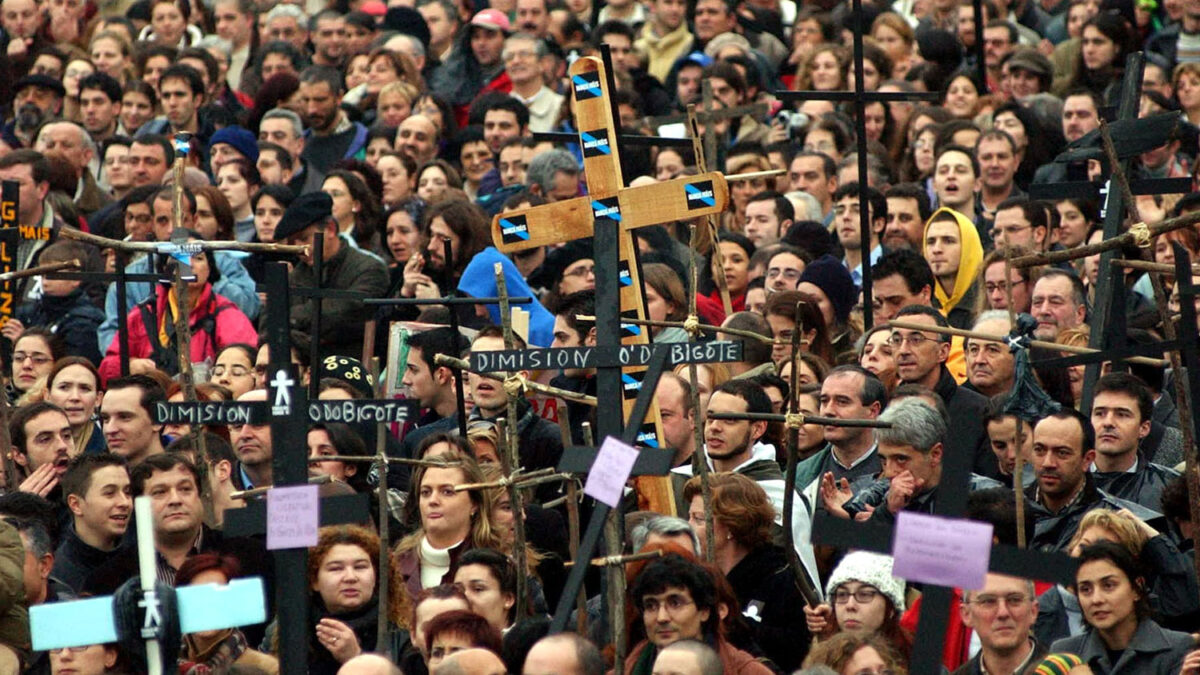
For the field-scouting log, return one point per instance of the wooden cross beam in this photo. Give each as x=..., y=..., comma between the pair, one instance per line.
x=627, y=208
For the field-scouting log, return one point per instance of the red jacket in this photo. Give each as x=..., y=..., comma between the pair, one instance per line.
x=228, y=326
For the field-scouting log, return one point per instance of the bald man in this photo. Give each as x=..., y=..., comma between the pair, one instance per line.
x=688, y=657
x=563, y=654
x=369, y=664
x=471, y=662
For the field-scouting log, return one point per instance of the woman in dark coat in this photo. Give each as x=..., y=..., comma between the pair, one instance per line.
x=1120, y=637
x=755, y=567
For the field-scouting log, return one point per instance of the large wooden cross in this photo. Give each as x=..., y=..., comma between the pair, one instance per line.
x=630, y=208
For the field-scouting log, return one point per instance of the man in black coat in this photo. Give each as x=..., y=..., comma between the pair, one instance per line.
x=1121, y=415
x=921, y=359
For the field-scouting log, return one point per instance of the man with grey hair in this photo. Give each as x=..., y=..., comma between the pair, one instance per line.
x=288, y=23
x=662, y=530
x=73, y=145
x=402, y=43
x=553, y=175
x=912, y=452
x=522, y=57
x=688, y=657
x=284, y=128
x=990, y=364
x=563, y=654
x=1002, y=614
x=473, y=661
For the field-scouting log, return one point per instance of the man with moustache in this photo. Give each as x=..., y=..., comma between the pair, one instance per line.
x=36, y=100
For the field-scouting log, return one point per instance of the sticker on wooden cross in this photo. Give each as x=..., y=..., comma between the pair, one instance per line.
x=628, y=208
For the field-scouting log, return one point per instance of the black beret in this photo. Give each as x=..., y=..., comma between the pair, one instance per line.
x=43, y=81
x=408, y=21
x=307, y=209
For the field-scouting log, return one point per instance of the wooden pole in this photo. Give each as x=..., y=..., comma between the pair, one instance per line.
x=464, y=365
x=1019, y=436
x=799, y=576
x=511, y=458
x=701, y=164
x=699, y=452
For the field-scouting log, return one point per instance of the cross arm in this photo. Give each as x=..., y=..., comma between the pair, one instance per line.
x=635, y=207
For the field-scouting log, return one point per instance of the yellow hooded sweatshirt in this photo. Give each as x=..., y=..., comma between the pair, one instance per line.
x=971, y=257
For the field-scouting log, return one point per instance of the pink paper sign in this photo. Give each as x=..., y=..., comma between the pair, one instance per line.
x=292, y=517
x=942, y=551
x=614, y=463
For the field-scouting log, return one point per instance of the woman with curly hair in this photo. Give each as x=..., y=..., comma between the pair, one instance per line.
x=823, y=70
x=854, y=653
x=344, y=607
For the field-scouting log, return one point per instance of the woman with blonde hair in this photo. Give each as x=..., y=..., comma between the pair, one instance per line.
x=451, y=522
x=896, y=38
x=112, y=55
x=394, y=103
x=1185, y=81
x=823, y=70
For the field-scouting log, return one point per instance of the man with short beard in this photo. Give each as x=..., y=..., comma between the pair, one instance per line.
x=333, y=136
x=36, y=100
x=907, y=209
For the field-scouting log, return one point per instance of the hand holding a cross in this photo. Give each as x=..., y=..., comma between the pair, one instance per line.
x=821, y=621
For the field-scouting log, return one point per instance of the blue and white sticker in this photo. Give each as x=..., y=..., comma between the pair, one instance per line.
x=630, y=329
x=606, y=208
x=595, y=143
x=700, y=194
x=514, y=229
x=623, y=274
x=648, y=435
x=586, y=85
x=631, y=384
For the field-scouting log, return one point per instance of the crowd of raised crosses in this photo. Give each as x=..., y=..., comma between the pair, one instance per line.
x=397, y=134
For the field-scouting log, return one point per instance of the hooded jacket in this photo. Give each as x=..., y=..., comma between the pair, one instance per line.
x=958, y=306
x=229, y=325
x=479, y=281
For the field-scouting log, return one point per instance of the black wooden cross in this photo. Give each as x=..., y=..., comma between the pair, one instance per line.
x=1107, y=319
x=860, y=97
x=935, y=603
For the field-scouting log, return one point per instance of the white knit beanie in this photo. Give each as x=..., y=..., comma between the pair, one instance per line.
x=868, y=568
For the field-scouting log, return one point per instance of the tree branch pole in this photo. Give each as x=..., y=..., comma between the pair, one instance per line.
x=183, y=336
x=704, y=327
x=1165, y=269
x=799, y=576
x=976, y=335
x=581, y=624
x=465, y=366
x=317, y=459
x=612, y=560
x=711, y=220
x=41, y=269
x=1054, y=257
x=261, y=491
x=808, y=419
x=153, y=247
x=510, y=459
x=384, y=626
x=699, y=452
x=1019, y=436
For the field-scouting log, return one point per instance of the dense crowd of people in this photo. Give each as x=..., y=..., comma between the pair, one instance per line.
x=393, y=134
